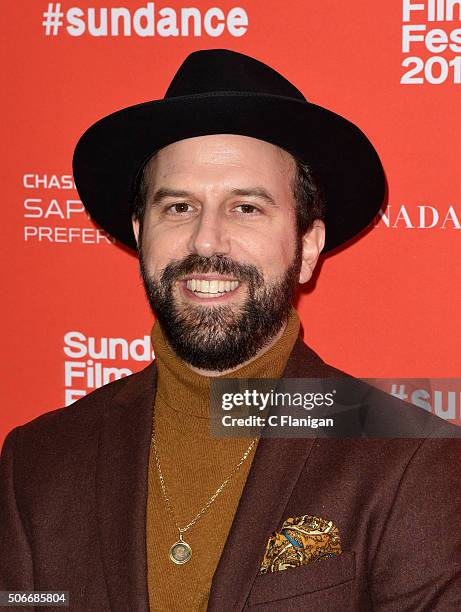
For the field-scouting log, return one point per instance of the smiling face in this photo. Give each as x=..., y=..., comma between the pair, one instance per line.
x=220, y=256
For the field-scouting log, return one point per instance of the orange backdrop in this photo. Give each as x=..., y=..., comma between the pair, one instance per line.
x=388, y=306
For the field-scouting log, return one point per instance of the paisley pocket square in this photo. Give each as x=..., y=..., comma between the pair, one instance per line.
x=301, y=540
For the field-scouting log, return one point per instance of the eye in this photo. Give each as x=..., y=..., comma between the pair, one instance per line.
x=179, y=208
x=247, y=209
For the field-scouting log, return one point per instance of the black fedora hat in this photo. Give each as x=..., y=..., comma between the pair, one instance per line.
x=224, y=92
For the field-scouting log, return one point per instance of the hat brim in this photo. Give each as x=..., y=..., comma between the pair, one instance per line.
x=110, y=154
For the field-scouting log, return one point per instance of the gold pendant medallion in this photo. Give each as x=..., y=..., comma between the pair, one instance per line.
x=180, y=552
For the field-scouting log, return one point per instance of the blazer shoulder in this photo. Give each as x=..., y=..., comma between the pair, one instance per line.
x=86, y=413
x=304, y=362
x=365, y=410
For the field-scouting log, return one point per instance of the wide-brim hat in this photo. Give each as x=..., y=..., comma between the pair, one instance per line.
x=224, y=92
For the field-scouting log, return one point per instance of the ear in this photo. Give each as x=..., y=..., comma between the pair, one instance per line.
x=313, y=242
x=135, y=223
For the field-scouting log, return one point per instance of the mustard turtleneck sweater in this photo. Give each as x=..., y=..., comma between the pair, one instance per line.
x=194, y=465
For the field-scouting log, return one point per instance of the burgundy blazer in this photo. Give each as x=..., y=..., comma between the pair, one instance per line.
x=73, y=511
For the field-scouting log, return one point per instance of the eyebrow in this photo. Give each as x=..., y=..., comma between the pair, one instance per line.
x=256, y=192
x=163, y=193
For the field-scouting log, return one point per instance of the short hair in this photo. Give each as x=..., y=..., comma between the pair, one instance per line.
x=307, y=192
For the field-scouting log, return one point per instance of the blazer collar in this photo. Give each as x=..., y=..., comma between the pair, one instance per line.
x=121, y=494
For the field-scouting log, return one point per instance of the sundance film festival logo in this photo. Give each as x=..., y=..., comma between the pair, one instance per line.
x=149, y=20
x=431, y=42
x=95, y=361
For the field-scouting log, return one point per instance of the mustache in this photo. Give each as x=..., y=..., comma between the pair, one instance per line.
x=220, y=264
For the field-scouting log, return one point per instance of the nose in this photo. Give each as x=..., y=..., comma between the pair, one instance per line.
x=210, y=236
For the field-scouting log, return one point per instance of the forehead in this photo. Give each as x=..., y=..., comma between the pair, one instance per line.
x=222, y=157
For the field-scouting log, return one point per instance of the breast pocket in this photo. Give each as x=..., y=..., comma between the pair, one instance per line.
x=325, y=585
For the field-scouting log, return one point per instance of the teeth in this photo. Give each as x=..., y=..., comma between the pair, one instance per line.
x=211, y=287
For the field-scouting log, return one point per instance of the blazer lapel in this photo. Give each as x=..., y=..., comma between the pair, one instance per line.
x=275, y=470
x=121, y=492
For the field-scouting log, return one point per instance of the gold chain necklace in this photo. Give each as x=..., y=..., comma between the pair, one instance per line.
x=180, y=551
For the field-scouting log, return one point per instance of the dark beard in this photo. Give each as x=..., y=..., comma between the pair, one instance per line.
x=217, y=337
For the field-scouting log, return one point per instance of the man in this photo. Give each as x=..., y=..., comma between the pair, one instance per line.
x=125, y=500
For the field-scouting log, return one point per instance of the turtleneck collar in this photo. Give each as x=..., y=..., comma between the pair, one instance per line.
x=188, y=393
